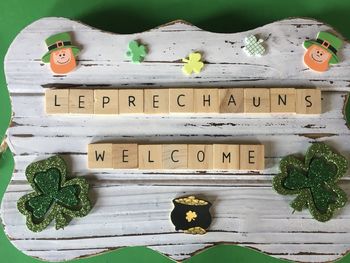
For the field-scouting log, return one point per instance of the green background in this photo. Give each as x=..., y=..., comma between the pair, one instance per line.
x=127, y=16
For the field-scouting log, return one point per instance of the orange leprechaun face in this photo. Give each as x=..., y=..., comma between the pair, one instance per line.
x=62, y=61
x=317, y=58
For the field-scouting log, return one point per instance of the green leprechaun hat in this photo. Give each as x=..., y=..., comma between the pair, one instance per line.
x=59, y=41
x=329, y=42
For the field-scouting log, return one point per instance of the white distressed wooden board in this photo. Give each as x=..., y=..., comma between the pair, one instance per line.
x=132, y=207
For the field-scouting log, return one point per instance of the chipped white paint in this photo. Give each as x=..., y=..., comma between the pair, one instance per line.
x=131, y=207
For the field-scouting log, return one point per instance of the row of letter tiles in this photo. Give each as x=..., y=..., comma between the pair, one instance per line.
x=176, y=156
x=183, y=100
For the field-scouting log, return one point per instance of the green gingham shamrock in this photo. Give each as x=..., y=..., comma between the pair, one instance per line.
x=253, y=46
x=54, y=197
x=314, y=181
x=136, y=51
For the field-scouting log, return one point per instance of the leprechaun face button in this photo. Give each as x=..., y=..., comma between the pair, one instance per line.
x=319, y=55
x=62, y=61
x=61, y=54
x=322, y=51
x=317, y=58
x=191, y=215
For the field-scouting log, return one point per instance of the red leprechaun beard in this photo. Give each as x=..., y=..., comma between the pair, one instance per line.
x=317, y=58
x=62, y=61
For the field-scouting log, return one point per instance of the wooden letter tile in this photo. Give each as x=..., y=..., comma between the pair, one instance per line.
x=106, y=101
x=206, y=100
x=156, y=101
x=100, y=155
x=125, y=156
x=282, y=100
x=81, y=101
x=231, y=100
x=150, y=156
x=130, y=101
x=200, y=156
x=181, y=100
x=226, y=156
x=256, y=100
x=57, y=101
x=175, y=156
x=252, y=157
x=308, y=101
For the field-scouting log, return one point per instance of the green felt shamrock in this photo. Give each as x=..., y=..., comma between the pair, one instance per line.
x=193, y=64
x=253, y=46
x=314, y=181
x=54, y=197
x=136, y=52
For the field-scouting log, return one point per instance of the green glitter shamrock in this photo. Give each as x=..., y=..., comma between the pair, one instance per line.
x=54, y=197
x=136, y=52
x=314, y=181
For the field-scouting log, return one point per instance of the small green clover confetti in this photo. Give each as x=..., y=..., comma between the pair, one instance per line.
x=253, y=46
x=136, y=52
x=54, y=197
x=193, y=64
x=314, y=181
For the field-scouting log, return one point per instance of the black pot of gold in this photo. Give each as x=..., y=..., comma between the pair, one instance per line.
x=191, y=215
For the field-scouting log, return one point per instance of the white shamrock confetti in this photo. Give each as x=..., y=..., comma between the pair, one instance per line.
x=253, y=46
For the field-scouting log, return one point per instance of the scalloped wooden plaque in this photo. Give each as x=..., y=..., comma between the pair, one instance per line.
x=132, y=208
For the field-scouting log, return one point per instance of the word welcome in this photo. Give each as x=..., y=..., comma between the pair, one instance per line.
x=176, y=156
x=183, y=100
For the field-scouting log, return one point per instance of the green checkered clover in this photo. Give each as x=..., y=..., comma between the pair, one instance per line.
x=253, y=46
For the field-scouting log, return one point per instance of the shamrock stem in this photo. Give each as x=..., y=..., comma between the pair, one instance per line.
x=61, y=221
x=299, y=203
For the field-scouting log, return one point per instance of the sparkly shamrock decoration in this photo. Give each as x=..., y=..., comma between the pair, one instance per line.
x=54, y=197
x=314, y=181
x=253, y=46
x=193, y=64
x=136, y=52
